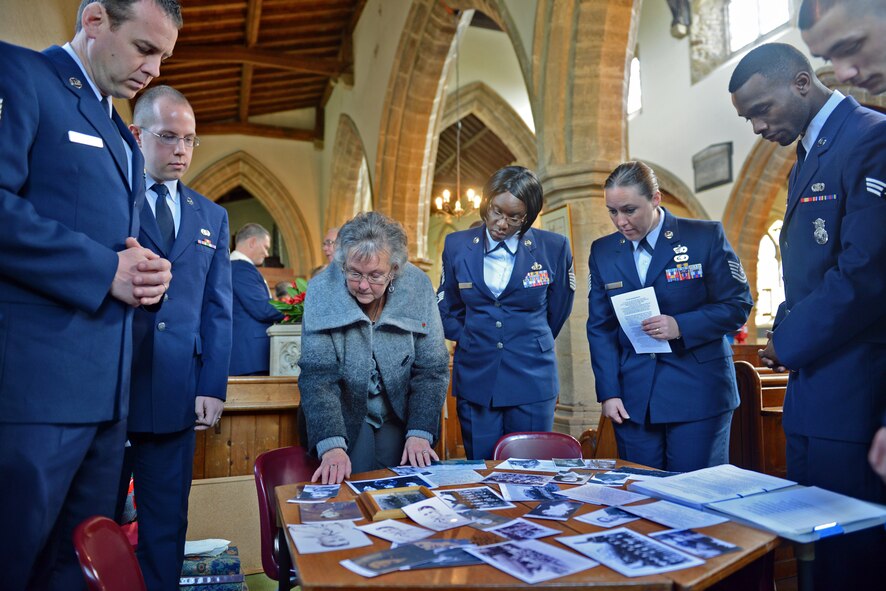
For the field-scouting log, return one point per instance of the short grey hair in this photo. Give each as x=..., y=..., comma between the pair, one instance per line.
x=369, y=234
x=248, y=231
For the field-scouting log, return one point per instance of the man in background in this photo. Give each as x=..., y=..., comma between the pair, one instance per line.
x=70, y=193
x=329, y=244
x=828, y=331
x=251, y=350
x=852, y=35
x=181, y=353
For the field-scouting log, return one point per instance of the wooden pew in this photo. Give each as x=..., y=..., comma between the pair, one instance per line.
x=757, y=440
x=599, y=443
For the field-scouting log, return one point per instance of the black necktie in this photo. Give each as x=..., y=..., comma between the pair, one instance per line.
x=644, y=244
x=106, y=105
x=502, y=246
x=164, y=215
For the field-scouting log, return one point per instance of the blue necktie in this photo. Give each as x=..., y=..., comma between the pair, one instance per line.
x=164, y=216
x=502, y=246
x=644, y=244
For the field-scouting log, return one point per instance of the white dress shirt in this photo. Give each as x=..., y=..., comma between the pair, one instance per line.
x=499, y=264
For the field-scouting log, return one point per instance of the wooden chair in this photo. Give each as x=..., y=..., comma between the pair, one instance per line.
x=285, y=465
x=537, y=445
x=106, y=557
x=599, y=443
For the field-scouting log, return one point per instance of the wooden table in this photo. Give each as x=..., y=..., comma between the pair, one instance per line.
x=322, y=572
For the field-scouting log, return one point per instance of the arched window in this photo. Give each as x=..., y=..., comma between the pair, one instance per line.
x=363, y=194
x=770, y=284
x=635, y=91
x=750, y=20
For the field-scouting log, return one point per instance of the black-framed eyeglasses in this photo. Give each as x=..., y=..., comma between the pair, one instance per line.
x=170, y=139
x=511, y=220
x=372, y=278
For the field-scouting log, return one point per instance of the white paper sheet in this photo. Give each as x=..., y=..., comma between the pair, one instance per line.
x=674, y=515
x=631, y=309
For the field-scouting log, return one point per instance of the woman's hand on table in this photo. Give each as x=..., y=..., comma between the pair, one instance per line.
x=418, y=452
x=614, y=408
x=335, y=466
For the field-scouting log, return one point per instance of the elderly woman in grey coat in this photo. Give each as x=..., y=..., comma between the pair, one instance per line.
x=374, y=366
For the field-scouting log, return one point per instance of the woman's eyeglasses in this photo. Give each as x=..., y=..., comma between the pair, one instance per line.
x=512, y=220
x=372, y=278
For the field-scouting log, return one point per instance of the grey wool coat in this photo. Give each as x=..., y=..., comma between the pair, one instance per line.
x=338, y=342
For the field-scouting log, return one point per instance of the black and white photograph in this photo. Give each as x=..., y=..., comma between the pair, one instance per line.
x=313, y=538
x=569, y=462
x=600, y=464
x=409, y=470
x=484, y=519
x=447, y=553
x=516, y=492
x=694, y=543
x=337, y=511
x=453, y=477
x=527, y=464
x=607, y=517
x=521, y=529
x=630, y=553
x=315, y=493
x=532, y=561
x=557, y=510
x=397, y=499
x=396, y=531
x=434, y=514
x=570, y=477
x=359, y=486
x=474, y=497
x=514, y=478
x=386, y=561
x=610, y=478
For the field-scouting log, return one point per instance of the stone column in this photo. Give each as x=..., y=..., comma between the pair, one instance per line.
x=581, y=56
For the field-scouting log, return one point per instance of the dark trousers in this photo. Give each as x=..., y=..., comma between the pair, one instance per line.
x=162, y=465
x=53, y=477
x=851, y=561
x=482, y=426
x=377, y=448
x=677, y=447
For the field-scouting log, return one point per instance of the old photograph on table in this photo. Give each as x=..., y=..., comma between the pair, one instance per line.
x=386, y=561
x=516, y=492
x=447, y=553
x=570, y=477
x=435, y=514
x=313, y=538
x=559, y=510
x=474, y=497
x=561, y=463
x=522, y=529
x=336, y=511
x=600, y=464
x=389, y=503
x=629, y=553
x=390, y=482
x=396, y=531
x=608, y=517
x=453, y=477
x=527, y=464
x=484, y=519
x=315, y=493
x=514, y=478
x=532, y=561
x=695, y=543
x=610, y=478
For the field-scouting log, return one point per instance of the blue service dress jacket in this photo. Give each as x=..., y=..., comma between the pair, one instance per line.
x=505, y=354
x=66, y=209
x=831, y=328
x=251, y=349
x=699, y=281
x=183, y=351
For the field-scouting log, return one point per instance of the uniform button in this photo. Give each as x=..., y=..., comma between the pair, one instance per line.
x=498, y=304
x=498, y=324
x=161, y=326
x=652, y=355
x=500, y=345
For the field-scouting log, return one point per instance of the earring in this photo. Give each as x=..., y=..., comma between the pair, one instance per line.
x=391, y=287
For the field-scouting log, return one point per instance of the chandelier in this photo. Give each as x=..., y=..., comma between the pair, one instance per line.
x=444, y=204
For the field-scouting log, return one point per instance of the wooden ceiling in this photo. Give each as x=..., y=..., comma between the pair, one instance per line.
x=482, y=153
x=239, y=59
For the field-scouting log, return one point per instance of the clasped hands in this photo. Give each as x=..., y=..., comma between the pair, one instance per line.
x=661, y=327
x=769, y=357
x=335, y=465
x=142, y=275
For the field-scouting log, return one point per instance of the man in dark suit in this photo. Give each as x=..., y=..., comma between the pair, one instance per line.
x=829, y=330
x=70, y=193
x=181, y=353
x=251, y=351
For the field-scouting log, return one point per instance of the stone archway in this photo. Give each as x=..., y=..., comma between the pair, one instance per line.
x=497, y=114
x=242, y=169
x=348, y=154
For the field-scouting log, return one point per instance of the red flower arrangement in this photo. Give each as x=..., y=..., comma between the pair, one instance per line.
x=292, y=305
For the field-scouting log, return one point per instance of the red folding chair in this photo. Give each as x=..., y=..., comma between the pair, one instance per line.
x=106, y=557
x=285, y=465
x=537, y=445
